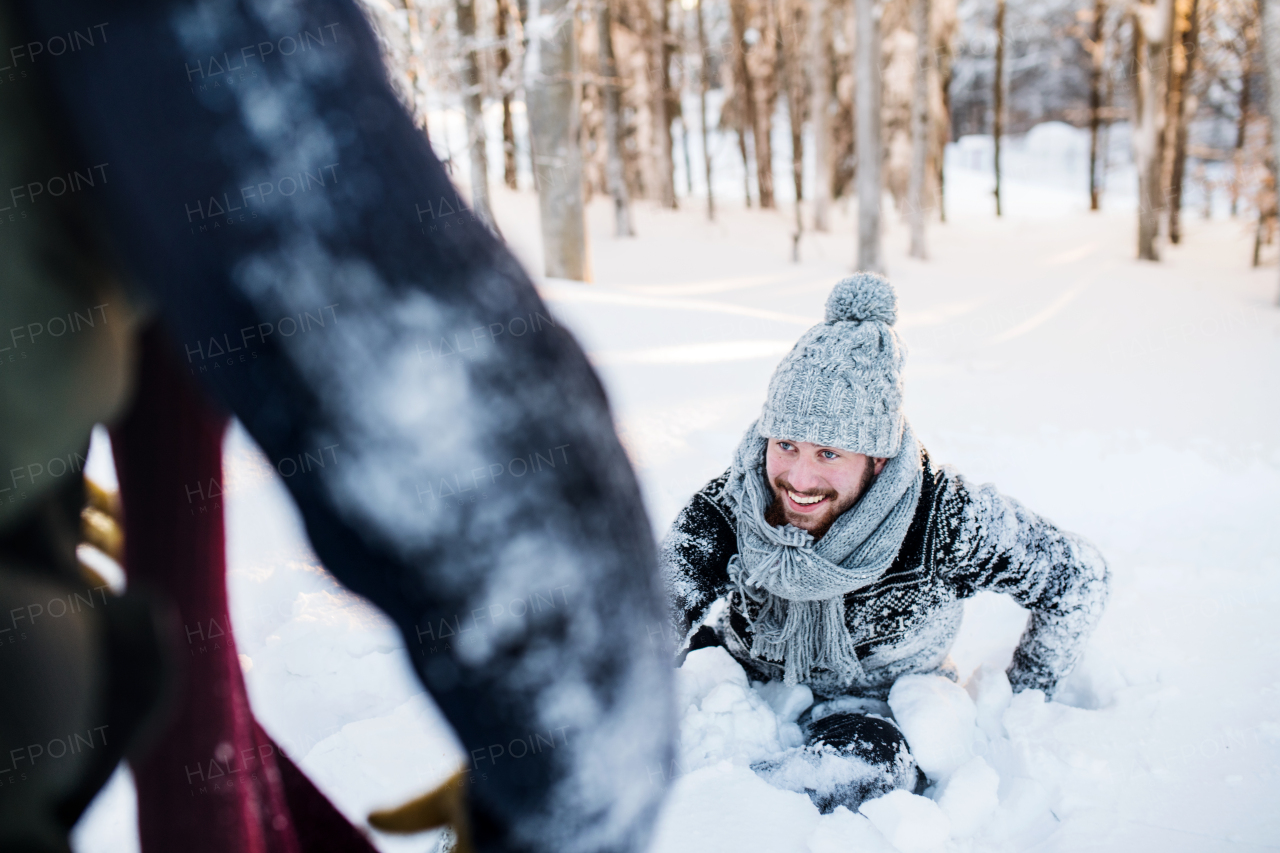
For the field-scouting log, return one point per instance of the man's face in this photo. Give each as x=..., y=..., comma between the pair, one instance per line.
x=812, y=484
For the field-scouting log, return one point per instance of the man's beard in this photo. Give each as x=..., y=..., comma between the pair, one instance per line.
x=777, y=514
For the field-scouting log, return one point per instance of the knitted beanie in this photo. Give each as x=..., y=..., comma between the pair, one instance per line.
x=841, y=385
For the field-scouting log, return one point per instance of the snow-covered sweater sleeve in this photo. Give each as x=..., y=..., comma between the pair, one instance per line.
x=987, y=541
x=695, y=558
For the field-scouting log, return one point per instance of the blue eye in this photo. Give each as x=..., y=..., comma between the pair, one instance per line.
x=829, y=454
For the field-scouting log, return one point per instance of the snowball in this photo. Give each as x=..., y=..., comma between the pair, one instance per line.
x=911, y=824
x=937, y=716
x=970, y=796
x=991, y=692
x=724, y=718
x=733, y=724
x=843, y=831
x=702, y=671
x=788, y=701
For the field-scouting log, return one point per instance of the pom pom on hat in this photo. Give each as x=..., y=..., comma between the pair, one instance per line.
x=861, y=297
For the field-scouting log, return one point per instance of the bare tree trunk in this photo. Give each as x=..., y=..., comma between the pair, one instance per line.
x=688, y=162
x=998, y=130
x=551, y=67
x=946, y=70
x=614, y=174
x=1242, y=130
x=662, y=112
x=745, y=88
x=793, y=65
x=1258, y=231
x=704, y=83
x=919, y=128
x=794, y=68
x=1153, y=23
x=473, y=105
x=1183, y=104
x=1271, y=50
x=1108, y=105
x=868, y=95
x=1097, y=56
x=508, y=124
x=795, y=112
x=765, y=91
x=686, y=79
x=942, y=188
x=820, y=112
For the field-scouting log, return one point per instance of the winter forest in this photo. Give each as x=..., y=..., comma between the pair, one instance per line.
x=1076, y=203
x=773, y=105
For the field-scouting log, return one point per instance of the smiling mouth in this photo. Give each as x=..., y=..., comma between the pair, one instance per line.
x=805, y=503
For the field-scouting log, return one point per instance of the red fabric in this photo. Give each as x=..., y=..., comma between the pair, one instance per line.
x=213, y=782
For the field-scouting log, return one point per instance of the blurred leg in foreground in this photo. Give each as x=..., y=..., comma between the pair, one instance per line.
x=449, y=447
x=213, y=781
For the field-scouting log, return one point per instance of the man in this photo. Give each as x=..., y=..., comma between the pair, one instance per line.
x=843, y=555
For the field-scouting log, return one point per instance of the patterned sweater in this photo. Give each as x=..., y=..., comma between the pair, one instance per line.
x=962, y=539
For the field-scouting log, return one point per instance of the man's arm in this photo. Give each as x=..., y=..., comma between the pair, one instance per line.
x=986, y=540
x=695, y=560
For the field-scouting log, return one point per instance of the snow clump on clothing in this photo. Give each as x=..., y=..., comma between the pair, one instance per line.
x=937, y=717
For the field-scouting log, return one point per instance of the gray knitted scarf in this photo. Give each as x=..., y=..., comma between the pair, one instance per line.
x=798, y=584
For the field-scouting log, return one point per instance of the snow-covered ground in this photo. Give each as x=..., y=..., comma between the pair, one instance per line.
x=1134, y=403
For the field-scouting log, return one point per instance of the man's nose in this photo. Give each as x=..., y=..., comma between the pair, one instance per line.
x=805, y=477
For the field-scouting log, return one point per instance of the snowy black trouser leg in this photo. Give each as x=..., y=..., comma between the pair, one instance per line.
x=873, y=739
x=850, y=758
